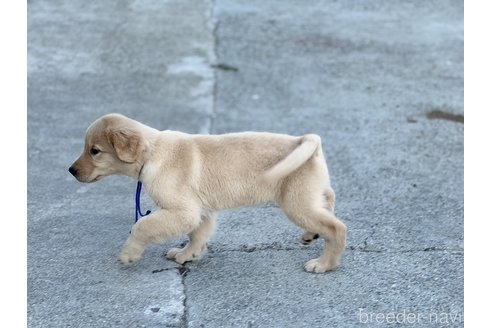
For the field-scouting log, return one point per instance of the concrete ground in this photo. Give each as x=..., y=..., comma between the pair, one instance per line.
x=380, y=81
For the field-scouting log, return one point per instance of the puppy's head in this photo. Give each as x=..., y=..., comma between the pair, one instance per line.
x=113, y=145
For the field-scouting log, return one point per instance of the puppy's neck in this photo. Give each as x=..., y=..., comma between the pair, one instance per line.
x=149, y=140
x=140, y=172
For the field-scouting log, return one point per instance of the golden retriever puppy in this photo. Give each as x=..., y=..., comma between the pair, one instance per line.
x=191, y=177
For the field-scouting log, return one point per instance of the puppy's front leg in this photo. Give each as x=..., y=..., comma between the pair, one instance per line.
x=159, y=226
x=197, y=244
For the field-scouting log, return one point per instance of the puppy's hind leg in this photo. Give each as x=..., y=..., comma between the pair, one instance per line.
x=197, y=244
x=329, y=196
x=329, y=199
x=333, y=232
x=309, y=211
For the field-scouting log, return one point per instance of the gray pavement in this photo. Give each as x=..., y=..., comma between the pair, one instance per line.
x=362, y=74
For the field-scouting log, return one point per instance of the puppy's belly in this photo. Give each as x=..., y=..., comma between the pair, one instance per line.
x=220, y=199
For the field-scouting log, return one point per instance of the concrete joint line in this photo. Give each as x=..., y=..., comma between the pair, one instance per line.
x=208, y=128
x=215, y=25
x=427, y=249
x=253, y=249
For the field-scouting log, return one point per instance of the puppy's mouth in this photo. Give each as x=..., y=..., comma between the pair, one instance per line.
x=85, y=180
x=97, y=178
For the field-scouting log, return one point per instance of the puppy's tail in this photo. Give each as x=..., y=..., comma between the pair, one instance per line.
x=309, y=144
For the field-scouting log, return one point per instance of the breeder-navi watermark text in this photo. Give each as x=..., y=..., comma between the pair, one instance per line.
x=407, y=317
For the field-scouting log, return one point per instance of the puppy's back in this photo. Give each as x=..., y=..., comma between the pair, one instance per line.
x=232, y=163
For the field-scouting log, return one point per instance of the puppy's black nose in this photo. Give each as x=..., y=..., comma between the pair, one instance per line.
x=72, y=170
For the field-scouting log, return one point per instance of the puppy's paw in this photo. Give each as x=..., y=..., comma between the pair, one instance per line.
x=130, y=253
x=182, y=255
x=318, y=266
x=171, y=254
x=308, y=237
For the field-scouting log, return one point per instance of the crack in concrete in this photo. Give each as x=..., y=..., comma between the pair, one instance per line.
x=250, y=249
x=182, y=271
x=215, y=26
x=185, y=317
x=213, y=23
x=401, y=251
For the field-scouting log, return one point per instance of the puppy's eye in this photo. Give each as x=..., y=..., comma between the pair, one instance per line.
x=94, y=151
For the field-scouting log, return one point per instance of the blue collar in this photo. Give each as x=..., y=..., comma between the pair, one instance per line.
x=137, y=202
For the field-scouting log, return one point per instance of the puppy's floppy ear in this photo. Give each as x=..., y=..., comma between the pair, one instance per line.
x=126, y=142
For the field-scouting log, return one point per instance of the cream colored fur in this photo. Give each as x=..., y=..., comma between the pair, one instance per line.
x=191, y=177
